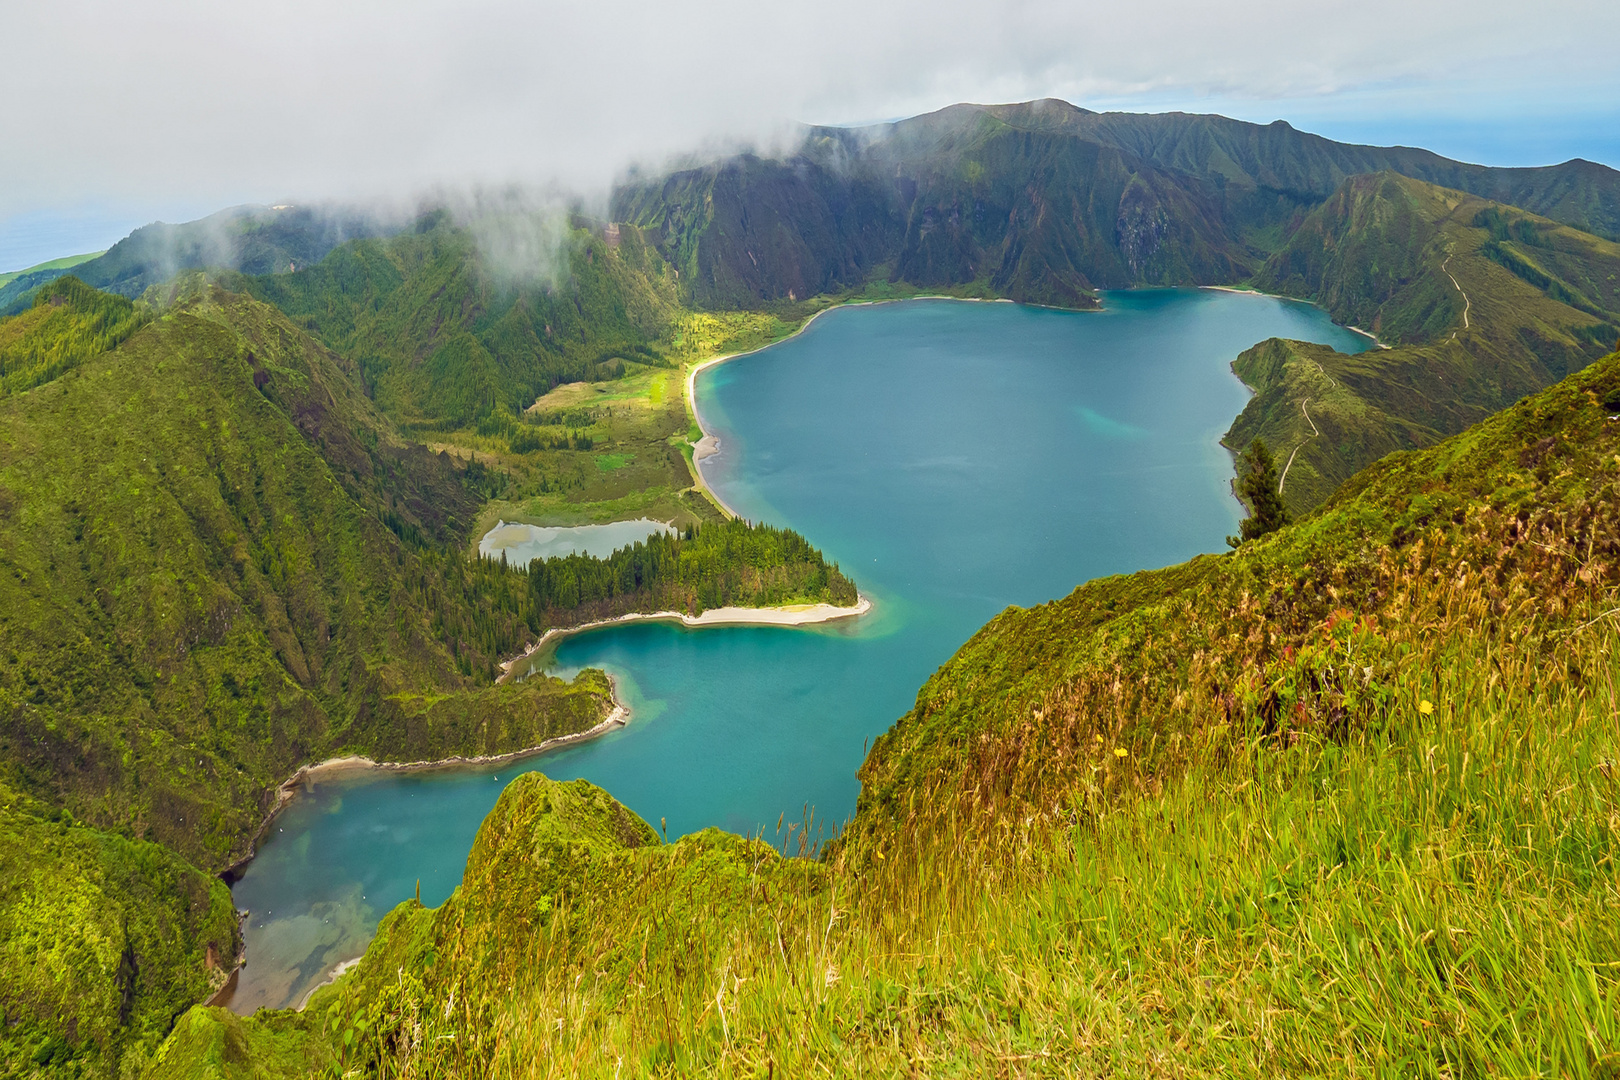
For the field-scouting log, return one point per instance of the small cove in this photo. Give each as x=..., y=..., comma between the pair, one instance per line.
x=953, y=457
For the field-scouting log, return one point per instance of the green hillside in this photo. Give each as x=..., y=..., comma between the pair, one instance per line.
x=567, y=381
x=442, y=342
x=206, y=584
x=67, y=262
x=1319, y=805
x=1409, y=260
x=1040, y=202
x=103, y=941
x=68, y=324
x=251, y=239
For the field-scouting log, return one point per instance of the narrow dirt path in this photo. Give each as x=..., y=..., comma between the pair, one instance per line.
x=1466, y=303
x=1283, y=480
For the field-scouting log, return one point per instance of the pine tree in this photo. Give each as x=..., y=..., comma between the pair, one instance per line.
x=1259, y=489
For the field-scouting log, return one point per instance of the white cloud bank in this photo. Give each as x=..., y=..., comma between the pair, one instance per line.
x=202, y=103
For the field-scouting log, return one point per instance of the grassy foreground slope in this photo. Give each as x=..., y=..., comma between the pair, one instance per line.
x=205, y=581
x=1485, y=302
x=1343, y=801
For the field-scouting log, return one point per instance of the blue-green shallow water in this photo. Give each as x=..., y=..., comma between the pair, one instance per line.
x=953, y=457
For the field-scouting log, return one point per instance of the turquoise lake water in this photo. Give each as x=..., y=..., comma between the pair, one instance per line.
x=953, y=457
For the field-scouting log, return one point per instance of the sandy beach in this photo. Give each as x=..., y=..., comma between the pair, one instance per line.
x=334, y=768
x=788, y=615
x=709, y=444
x=1295, y=299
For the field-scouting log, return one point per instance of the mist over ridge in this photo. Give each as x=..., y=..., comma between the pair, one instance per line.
x=295, y=102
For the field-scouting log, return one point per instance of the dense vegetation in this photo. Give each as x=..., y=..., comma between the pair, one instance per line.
x=1039, y=202
x=561, y=371
x=68, y=324
x=1259, y=488
x=251, y=239
x=1342, y=800
x=443, y=339
x=103, y=941
x=203, y=584
x=728, y=563
x=1488, y=303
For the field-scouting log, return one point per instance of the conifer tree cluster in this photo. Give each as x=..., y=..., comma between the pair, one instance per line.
x=1261, y=491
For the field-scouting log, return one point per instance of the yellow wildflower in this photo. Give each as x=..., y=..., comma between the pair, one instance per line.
x=1120, y=751
x=1426, y=707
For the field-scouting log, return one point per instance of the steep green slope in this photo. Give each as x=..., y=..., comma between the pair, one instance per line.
x=103, y=941
x=1038, y=201
x=1488, y=303
x=935, y=206
x=68, y=324
x=1341, y=801
x=204, y=585
x=442, y=340
x=752, y=230
x=252, y=239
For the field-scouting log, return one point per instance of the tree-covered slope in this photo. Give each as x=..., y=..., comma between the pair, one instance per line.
x=1487, y=302
x=205, y=585
x=722, y=564
x=444, y=336
x=251, y=239
x=1039, y=201
x=68, y=324
x=1341, y=801
x=103, y=940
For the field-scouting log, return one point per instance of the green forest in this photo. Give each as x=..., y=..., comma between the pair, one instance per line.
x=68, y=324
x=726, y=563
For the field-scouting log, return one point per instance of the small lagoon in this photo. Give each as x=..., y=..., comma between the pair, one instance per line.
x=522, y=544
x=953, y=457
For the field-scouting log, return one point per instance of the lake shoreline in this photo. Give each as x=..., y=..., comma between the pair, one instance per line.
x=708, y=444
x=1278, y=296
x=348, y=764
x=618, y=716
x=790, y=615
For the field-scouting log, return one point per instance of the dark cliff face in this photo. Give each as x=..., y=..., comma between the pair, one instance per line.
x=1039, y=217
x=1041, y=202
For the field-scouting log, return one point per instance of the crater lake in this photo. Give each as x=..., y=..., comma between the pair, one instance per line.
x=953, y=457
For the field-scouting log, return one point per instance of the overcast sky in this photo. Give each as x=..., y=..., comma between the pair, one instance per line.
x=120, y=113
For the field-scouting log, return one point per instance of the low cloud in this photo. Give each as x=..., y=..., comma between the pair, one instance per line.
x=522, y=233
x=216, y=104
